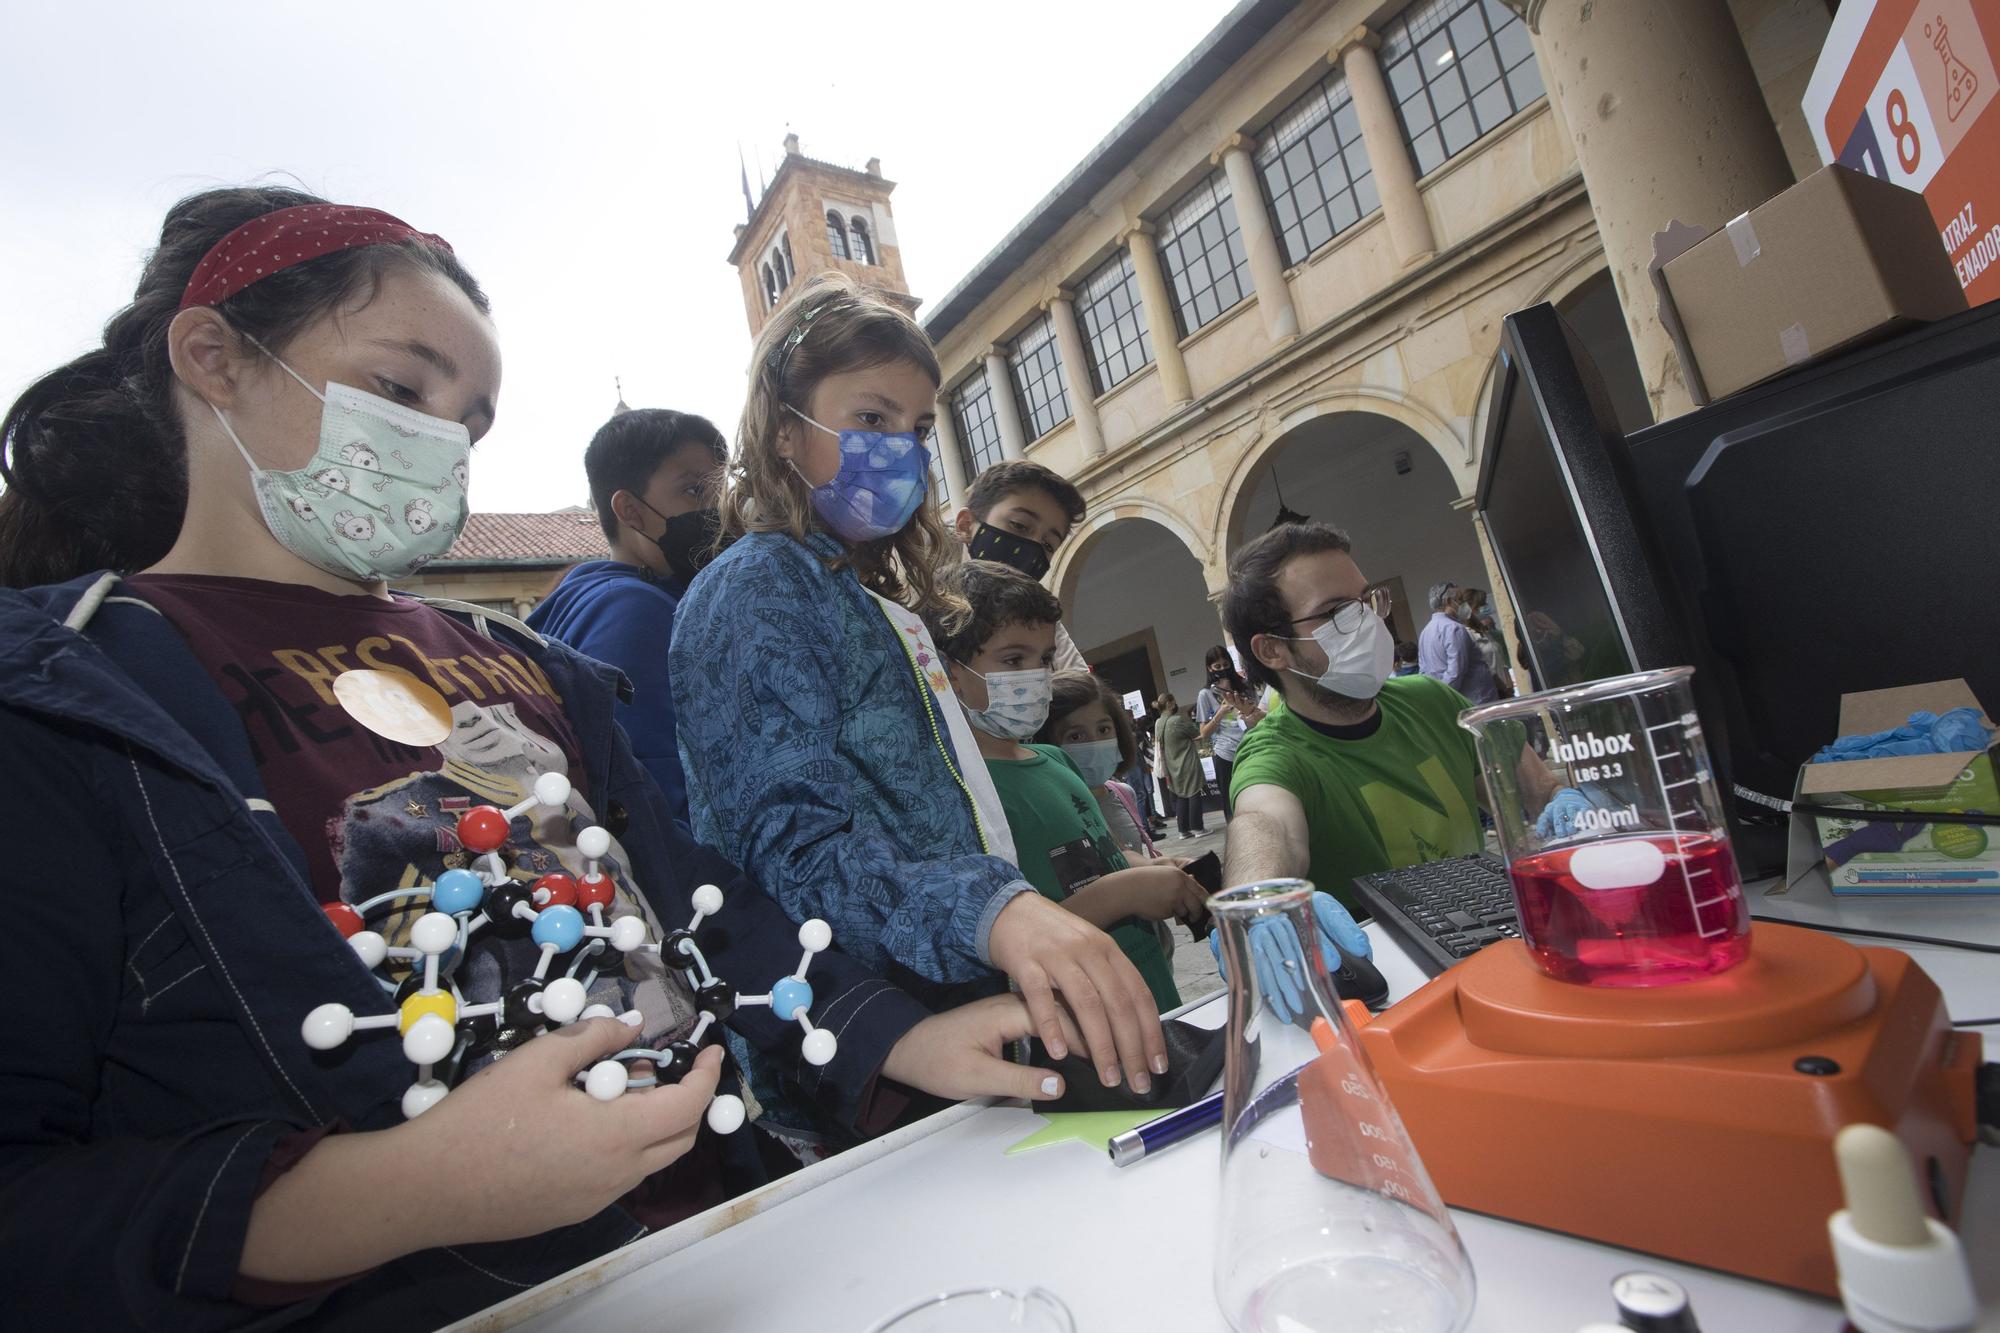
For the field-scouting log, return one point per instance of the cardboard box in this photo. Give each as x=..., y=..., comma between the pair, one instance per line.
x=1838, y=258
x=1919, y=856
x=1907, y=91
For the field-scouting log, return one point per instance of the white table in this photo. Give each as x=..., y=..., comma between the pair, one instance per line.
x=937, y=1206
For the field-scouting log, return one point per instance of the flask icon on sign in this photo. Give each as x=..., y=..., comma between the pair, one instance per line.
x=1960, y=82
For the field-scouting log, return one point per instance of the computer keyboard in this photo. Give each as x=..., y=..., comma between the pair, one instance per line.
x=1443, y=911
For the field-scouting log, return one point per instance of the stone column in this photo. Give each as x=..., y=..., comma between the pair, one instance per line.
x=1076, y=372
x=1161, y=327
x=1668, y=123
x=1267, y=264
x=1000, y=387
x=949, y=453
x=1388, y=154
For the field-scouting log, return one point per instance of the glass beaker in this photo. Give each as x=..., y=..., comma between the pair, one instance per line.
x=1606, y=810
x=982, y=1310
x=1328, y=1220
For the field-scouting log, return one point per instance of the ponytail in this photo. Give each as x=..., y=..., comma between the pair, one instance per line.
x=94, y=456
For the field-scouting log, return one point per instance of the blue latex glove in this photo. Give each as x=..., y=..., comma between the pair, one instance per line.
x=1275, y=948
x=1954, y=732
x=1558, y=817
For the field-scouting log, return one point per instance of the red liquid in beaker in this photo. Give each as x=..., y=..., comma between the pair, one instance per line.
x=1648, y=910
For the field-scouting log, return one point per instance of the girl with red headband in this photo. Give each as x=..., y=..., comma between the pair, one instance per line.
x=235, y=736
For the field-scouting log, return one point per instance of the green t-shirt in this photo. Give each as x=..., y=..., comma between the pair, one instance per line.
x=1063, y=844
x=1405, y=794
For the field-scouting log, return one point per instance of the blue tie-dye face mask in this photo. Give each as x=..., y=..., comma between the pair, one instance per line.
x=882, y=479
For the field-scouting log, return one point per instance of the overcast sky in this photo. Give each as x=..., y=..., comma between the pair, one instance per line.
x=581, y=157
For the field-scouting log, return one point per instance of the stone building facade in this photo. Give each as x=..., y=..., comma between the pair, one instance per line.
x=1280, y=280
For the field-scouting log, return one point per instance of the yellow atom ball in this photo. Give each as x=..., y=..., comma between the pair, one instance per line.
x=437, y=1002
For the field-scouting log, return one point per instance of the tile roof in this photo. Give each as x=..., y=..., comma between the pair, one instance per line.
x=561, y=538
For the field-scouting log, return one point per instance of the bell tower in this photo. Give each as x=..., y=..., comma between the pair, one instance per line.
x=816, y=216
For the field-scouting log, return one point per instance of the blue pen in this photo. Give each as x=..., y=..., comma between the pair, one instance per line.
x=1169, y=1129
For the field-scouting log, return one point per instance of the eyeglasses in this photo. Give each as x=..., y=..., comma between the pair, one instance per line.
x=1347, y=613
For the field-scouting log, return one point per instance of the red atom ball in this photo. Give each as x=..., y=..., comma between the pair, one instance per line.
x=482, y=829
x=555, y=890
x=594, y=891
x=345, y=919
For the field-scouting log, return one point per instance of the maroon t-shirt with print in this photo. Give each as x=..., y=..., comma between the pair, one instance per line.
x=376, y=816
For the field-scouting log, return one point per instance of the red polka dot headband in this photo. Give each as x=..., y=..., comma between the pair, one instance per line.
x=276, y=241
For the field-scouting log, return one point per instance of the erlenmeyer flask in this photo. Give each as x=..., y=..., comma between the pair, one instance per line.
x=1328, y=1219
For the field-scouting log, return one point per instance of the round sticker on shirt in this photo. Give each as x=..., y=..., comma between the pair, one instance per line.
x=395, y=706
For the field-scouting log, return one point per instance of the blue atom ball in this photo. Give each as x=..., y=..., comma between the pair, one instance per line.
x=457, y=891
x=560, y=926
x=791, y=997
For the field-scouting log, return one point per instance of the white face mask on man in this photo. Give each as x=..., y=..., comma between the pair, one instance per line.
x=1357, y=660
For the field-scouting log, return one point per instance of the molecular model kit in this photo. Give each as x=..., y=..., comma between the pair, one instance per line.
x=565, y=916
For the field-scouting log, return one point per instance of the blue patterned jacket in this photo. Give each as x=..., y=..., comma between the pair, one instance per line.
x=812, y=762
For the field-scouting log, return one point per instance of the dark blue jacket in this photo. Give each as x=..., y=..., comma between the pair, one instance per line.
x=620, y=614
x=163, y=944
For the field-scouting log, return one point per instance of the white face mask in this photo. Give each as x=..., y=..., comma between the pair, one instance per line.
x=1017, y=703
x=1096, y=760
x=1356, y=663
x=384, y=494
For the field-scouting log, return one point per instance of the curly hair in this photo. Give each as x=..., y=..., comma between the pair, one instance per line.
x=833, y=325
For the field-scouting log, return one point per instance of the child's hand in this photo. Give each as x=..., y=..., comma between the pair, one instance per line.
x=1161, y=891
x=515, y=1150
x=530, y=1150
x=960, y=1053
x=1046, y=949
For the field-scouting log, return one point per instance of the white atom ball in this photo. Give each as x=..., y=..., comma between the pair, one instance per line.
x=593, y=842
x=434, y=933
x=708, y=899
x=628, y=933
x=563, y=999
x=369, y=947
x=328, y=1026
x=429, y=1040
x=552, y=789
x=726, y=1114
x=815, y=935
x=421, y=1097
x=605, y=1081
x=820, y=1046
x=596, y=1011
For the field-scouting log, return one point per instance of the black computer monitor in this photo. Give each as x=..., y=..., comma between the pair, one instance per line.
x=1555, y=495
x=1827, y=532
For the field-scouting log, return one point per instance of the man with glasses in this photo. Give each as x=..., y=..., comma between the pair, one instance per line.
x=1353, y=771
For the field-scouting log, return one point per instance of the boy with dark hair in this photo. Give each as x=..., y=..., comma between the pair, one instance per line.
x=654, y=477
x=1018, y=513
x=998, y=651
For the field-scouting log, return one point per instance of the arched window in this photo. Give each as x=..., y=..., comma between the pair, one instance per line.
x=785, y=248
x=864, y=249
x=770, y=287
x=836, y=234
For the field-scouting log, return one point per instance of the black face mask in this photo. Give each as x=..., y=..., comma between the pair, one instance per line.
x=990, y=543
x=688, y=542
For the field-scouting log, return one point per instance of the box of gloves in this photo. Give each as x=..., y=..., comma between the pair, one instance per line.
x=1905, y=801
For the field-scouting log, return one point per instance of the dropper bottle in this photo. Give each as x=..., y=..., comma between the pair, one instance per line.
x=1901, y=1271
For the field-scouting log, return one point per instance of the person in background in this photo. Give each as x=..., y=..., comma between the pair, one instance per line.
x=1446, y=652
x=1354, y=771
x=1225, y=708
x=654, y=479
x=1180, y=750
x=998, y=650
x=1484, y=627
x=1085, y=719
x=822, y=742
x=1406, y=658
x=1018, y=513
x=1138, y=775
x=1161, y=778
